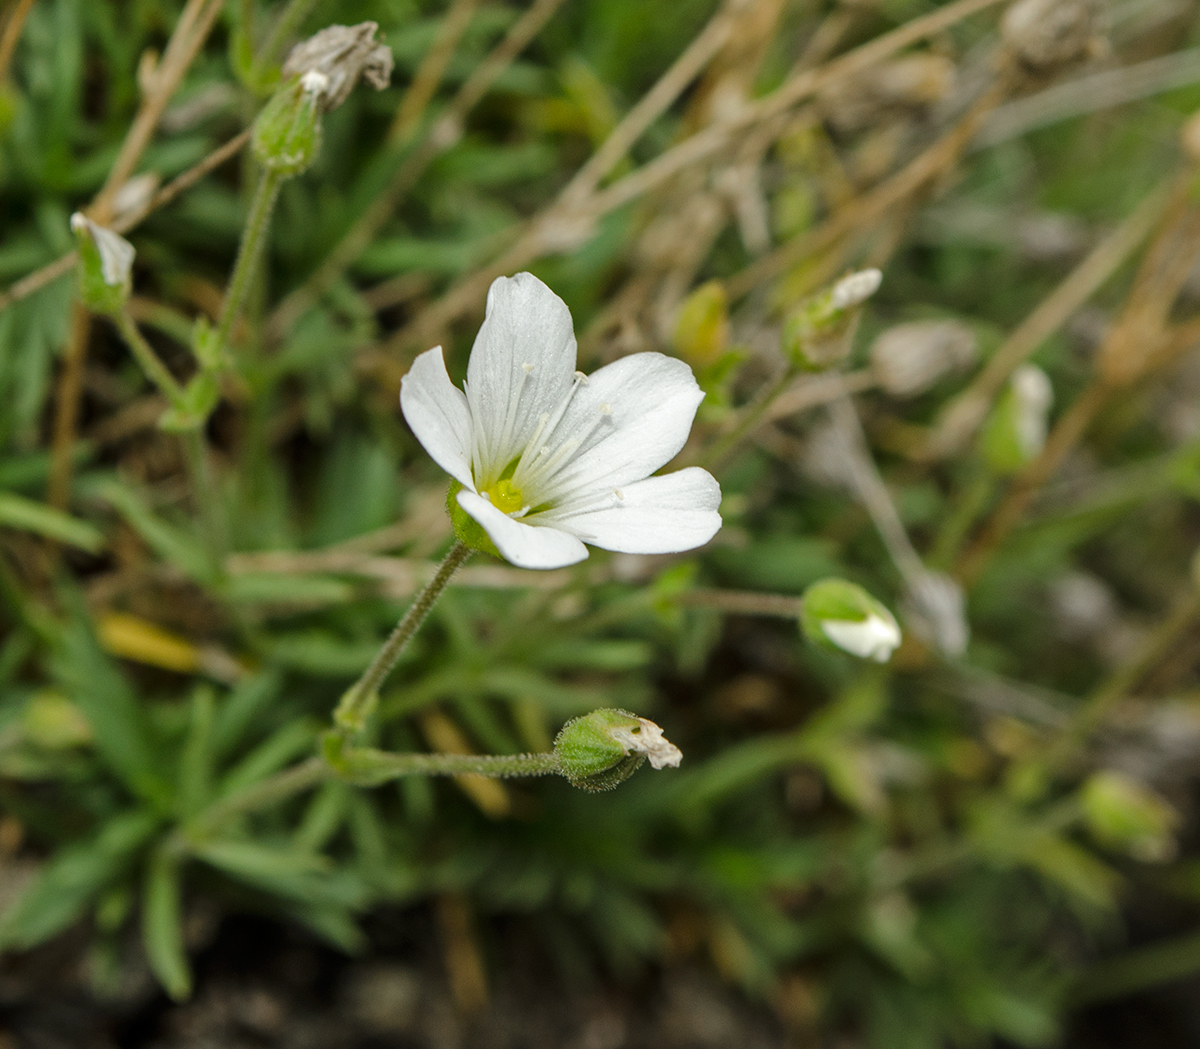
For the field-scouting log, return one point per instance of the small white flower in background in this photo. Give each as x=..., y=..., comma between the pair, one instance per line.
x=116, y=253
x=855, y=289
x=550, y=459
x=910, y=358
x=840, y=614
x=1033, y=396
x=647, y=738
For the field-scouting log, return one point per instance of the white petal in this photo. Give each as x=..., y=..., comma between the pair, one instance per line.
x=526, y=546
x=660, y=515
x=631, y=418
x=871, y=638
x=522, y=365
x=648, y=739
x=436, y=411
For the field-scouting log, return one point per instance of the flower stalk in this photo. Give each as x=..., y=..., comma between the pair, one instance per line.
x=253, y=238
x=359, y=700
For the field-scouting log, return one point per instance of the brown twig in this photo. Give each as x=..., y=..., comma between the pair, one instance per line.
x=38, y=279
x=556, y=226
x=11, y=34
x=437, y=139
x=962, y=416
x=186, y=40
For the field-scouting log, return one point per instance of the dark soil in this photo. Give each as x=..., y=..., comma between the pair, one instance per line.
x=261, y=985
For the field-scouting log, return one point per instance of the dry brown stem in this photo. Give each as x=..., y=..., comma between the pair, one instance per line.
x=557, y=227
x=38, y=279
x=437, y=139
x=13, y=24
x=188, y=37
x=963, y=415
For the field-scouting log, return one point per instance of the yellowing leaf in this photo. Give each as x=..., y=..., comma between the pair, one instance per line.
x=141, y=641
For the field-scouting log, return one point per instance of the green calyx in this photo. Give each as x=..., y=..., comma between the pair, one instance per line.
x=287, y=133
x=836, y=601
x=105, y=266
x=467, y=530
x=588, y=754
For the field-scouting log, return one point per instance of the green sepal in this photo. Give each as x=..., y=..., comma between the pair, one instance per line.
x=467, y=530
x=96, y=293
x=836, y=600
x=589, y=757
x=287, y=132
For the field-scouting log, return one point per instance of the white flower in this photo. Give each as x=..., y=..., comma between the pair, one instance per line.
x=872, y=638
x=550, y=458
x=647, y=738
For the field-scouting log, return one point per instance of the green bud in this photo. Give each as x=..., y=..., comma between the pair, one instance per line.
x=105, y=265
x=601, y=749
x=287, y=133
x=1122, y=813
x=816, y=334
x=1015, y=432
x=702, y=327
x=841, y=615
x=466, y=529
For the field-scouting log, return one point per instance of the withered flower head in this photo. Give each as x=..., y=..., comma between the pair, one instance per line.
x=342, y=54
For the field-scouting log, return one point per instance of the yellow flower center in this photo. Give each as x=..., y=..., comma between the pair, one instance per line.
x=506, y=496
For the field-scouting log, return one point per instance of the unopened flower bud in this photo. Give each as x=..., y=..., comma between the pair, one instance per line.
x=287, y=133
x=1016, y=431
x=340, y=55
x=842, y=615
x=816, y=334
x=1123, y=814
x=604, y=748
x=105, y=265
x=1044, y=34
x=909, y=359
x=702, y=326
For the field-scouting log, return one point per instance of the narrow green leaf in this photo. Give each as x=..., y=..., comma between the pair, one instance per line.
x=169, y=542
x=18, y=512
x=108, y=702
x=162, y=926
x=72, y=879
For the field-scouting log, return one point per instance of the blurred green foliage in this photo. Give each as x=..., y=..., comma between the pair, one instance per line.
x=875, y=850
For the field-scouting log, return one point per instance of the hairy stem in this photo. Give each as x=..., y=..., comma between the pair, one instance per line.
x=253, y=238
x=147, y=359
x=358, y=700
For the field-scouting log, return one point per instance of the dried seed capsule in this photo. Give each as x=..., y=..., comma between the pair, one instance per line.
x=1048, y=33
x=342, y=54
x=909, y=359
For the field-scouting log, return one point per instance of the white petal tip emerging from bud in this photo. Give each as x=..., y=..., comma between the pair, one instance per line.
x=647, y=738
x=871, y=638
x=856, y=289
x=116, y=253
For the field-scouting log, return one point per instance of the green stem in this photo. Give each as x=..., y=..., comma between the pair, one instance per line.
x=207, y=498
x=253, y=238
x=149, y=361
x=751, y=418
x=358, y=701
x=966, y=511
x=259, y=795
x=369, y=767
